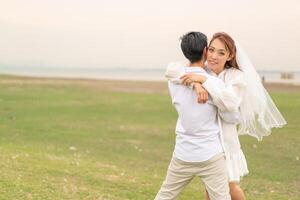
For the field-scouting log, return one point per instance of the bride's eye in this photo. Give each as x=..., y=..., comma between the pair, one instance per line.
x=210, y=49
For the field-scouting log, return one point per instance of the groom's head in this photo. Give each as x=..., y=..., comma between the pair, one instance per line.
x=193, y=46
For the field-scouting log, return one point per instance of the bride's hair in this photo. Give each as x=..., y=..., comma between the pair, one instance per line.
x=230, y=46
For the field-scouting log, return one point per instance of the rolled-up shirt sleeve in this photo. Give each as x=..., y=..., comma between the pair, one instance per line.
x=226, y=96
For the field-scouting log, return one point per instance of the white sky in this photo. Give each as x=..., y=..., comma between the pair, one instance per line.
x=143, y=34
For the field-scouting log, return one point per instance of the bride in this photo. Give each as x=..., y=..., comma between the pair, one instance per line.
x=241, y=95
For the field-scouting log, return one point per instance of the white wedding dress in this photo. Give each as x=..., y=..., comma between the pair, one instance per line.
x=228, y=98
x=241, y=100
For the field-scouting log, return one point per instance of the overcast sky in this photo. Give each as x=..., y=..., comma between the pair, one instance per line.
x=143, y=34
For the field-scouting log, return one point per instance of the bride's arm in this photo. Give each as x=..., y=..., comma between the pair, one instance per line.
x=174, y=72
x=226, y=96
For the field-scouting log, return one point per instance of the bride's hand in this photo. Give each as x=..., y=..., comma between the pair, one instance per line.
x=201, y=93
x=187, y=79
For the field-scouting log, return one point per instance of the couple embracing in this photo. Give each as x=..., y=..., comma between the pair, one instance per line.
x=218, y=96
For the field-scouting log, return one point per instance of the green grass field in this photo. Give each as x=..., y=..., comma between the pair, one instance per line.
x=70, y=141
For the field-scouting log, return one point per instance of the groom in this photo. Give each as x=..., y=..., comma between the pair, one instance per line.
x=198, y=150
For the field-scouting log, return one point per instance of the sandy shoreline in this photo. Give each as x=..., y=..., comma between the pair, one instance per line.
x=121, y=85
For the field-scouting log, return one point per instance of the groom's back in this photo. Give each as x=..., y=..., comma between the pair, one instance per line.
x=197, y=129
x=196, y=118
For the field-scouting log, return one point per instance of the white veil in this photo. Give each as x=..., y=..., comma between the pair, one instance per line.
x=258, y=111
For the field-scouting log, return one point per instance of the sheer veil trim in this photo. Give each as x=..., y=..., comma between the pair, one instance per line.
x=258, y=111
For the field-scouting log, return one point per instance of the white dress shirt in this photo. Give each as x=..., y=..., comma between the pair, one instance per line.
x=197, y=128
x=227, y=96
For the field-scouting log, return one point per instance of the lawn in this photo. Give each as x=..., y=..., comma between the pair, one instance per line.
x=71, y=141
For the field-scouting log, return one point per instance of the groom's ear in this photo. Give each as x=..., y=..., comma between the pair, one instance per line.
x=204, y=54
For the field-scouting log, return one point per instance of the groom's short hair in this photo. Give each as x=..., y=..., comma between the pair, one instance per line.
x=193, y=45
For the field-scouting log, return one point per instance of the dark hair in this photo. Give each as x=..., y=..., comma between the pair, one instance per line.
x=229, y=45
x=192, y=46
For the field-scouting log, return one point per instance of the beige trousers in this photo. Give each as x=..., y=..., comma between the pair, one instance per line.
x=212, y=172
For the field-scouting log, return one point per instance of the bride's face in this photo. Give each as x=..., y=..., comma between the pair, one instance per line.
x=217, y=55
